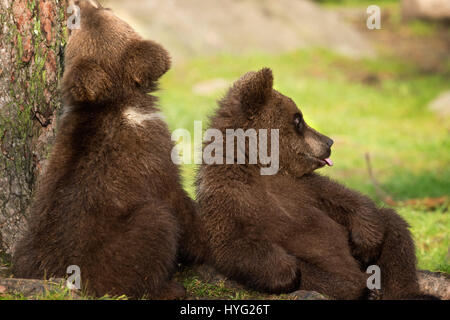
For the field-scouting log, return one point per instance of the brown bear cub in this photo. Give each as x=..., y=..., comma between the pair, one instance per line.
x=295, y=229
x=110, y=200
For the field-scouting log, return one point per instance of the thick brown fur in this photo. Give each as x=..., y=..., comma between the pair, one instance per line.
x=110, y=200
x=296, y=229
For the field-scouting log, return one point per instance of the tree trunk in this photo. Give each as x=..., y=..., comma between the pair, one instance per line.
x=32, y=35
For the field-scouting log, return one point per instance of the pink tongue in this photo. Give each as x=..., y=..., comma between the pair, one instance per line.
x=328, y=161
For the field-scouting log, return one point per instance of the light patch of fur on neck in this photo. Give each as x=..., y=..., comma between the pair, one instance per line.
x=137, y=118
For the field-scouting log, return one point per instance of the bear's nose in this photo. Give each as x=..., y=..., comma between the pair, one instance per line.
x=330, y=142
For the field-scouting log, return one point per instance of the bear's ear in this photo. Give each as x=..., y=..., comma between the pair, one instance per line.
x=86, y=81
x=146, y=61
x=254, y=89
x=86, y=3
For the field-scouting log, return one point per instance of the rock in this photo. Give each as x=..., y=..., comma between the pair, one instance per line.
x=426, y=9
x=441, y=105
x=32, y=288
x=28, y=287
x=435, y=283
x=307, y=295
x=248, y=26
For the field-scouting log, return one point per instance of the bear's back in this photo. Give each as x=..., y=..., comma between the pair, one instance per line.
x=103, y=166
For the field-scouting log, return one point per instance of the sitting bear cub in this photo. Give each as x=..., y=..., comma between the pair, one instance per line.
x=110, y=200
x=295, y=229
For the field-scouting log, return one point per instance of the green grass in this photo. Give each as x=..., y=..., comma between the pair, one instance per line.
x=367, y=106
x=431, y=234
x=56, y=293
x=221, y=289
x=422, y=28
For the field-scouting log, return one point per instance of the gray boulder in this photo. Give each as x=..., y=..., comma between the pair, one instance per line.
x=426, y=9
x=201, y=27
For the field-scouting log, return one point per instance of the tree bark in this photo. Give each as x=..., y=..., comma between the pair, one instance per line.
x=32, y=35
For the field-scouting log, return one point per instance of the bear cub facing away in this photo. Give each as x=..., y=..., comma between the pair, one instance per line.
x=296, y=229
x=110, y=200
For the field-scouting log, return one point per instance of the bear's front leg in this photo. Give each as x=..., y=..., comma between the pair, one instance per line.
x=258, y=264
x=366, y=232
x=354, y=211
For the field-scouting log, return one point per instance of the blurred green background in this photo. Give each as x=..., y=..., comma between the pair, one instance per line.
x=371, y=91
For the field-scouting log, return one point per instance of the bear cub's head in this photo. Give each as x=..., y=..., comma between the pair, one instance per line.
x=106, y=60
x=253, y=103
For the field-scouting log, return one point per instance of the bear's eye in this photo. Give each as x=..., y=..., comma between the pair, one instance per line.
x=298, y=122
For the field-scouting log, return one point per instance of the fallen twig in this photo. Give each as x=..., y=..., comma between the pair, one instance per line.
x=382, y=195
